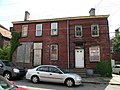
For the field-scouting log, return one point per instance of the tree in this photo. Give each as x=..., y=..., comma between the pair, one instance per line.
x=14, y=42
x=4, y=52
x=116, y=43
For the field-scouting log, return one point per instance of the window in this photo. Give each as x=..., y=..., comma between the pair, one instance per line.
x=43, y=68
x=54, y=28
x=54, y=52
x=78, y=31
x=54, y=70
x=94, y=53
x=38, y=29
x=94, y=30
x=24, y=30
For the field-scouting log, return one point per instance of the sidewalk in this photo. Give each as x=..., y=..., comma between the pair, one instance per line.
x=114, y=80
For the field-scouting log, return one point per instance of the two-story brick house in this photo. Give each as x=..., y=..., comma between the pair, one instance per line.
x=71, y=42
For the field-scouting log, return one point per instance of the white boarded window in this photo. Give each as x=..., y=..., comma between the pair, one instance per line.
x=94, y=30
x=54, y=28
x=54, y=52
x=38, y=29
x=24, y=30
x=94, y=53
x=78, y=31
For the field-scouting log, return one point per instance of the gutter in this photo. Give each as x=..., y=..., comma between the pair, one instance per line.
x=68, y=44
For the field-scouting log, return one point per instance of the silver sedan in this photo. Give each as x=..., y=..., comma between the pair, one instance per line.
x=51, y=73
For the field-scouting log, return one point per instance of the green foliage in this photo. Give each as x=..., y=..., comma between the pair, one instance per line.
x=14, y=43
x=4, y=52
x=116, y=43
x=104, y=68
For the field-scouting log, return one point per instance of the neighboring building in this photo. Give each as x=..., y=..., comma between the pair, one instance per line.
x=71, y=42
x=5, y=36
x=116, y=56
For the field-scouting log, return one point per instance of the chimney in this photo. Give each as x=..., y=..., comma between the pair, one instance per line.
x=27, y=15
x=92, y=12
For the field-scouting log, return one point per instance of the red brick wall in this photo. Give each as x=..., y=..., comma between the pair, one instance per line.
x=61, y=40
x=88, y=40
x=47, y=40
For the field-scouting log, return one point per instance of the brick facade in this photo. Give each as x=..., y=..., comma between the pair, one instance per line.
x=66, y=40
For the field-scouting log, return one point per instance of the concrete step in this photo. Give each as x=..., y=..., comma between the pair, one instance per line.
x=80, y=71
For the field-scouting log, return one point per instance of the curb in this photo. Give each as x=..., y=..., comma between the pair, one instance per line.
x=92, y=82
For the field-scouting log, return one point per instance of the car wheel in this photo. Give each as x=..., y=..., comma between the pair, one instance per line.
x=35, y=79
x=69, y=82
x=7, y=75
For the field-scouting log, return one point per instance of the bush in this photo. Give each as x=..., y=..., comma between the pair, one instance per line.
x=104, y=68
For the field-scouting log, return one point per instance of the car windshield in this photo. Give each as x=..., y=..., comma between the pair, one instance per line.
x=65, y=70
x=7, y=63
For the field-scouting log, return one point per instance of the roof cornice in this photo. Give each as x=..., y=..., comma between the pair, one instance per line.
x=60, y=19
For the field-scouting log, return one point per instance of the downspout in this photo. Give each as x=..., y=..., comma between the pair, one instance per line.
x=68, y=44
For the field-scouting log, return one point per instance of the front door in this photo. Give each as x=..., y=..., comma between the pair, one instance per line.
x=79, y=58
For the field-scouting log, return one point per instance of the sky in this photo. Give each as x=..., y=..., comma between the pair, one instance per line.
x=14, y=10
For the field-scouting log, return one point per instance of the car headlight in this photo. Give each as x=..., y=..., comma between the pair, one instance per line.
x=78, y=78
x=16, y=70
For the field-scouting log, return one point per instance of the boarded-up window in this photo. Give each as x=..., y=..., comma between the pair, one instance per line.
x=24, y=30
x=94, y=53
x=54, y=52
x=23, y=52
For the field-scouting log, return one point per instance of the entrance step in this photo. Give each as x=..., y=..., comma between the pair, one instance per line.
x=80, y=71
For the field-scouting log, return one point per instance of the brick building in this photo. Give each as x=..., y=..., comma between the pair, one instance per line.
x=71, y=42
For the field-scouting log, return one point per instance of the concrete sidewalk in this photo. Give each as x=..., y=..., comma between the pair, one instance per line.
x=114, y=80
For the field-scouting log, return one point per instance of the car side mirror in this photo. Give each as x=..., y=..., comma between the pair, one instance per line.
x=1, y=65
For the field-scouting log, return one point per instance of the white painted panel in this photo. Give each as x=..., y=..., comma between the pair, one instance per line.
x=37, y=57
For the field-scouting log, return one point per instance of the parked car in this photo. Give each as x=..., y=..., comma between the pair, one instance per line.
x=51, y=73
x=116, y=69
x=9, y=70
x=7, y=85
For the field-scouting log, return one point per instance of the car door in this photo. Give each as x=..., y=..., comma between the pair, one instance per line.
x=56, y=75
x=43, y=74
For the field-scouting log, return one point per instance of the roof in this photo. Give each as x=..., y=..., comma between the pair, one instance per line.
x=60, y=19
x=5, y=32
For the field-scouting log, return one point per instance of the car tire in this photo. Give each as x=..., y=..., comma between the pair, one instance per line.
x=35, y=79
x=69, y=82
x=7, y=75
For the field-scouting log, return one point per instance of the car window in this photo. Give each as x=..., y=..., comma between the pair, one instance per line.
x=8, y=63
x=43, y=68
x=54, y=70
x=117, y=67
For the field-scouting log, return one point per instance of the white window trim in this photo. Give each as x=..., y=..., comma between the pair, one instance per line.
x=97, y=30
x=90, y=53
x=81, y=31
x=51, y=51
x=24, y=32
x=56, y=27
x=38, y=30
